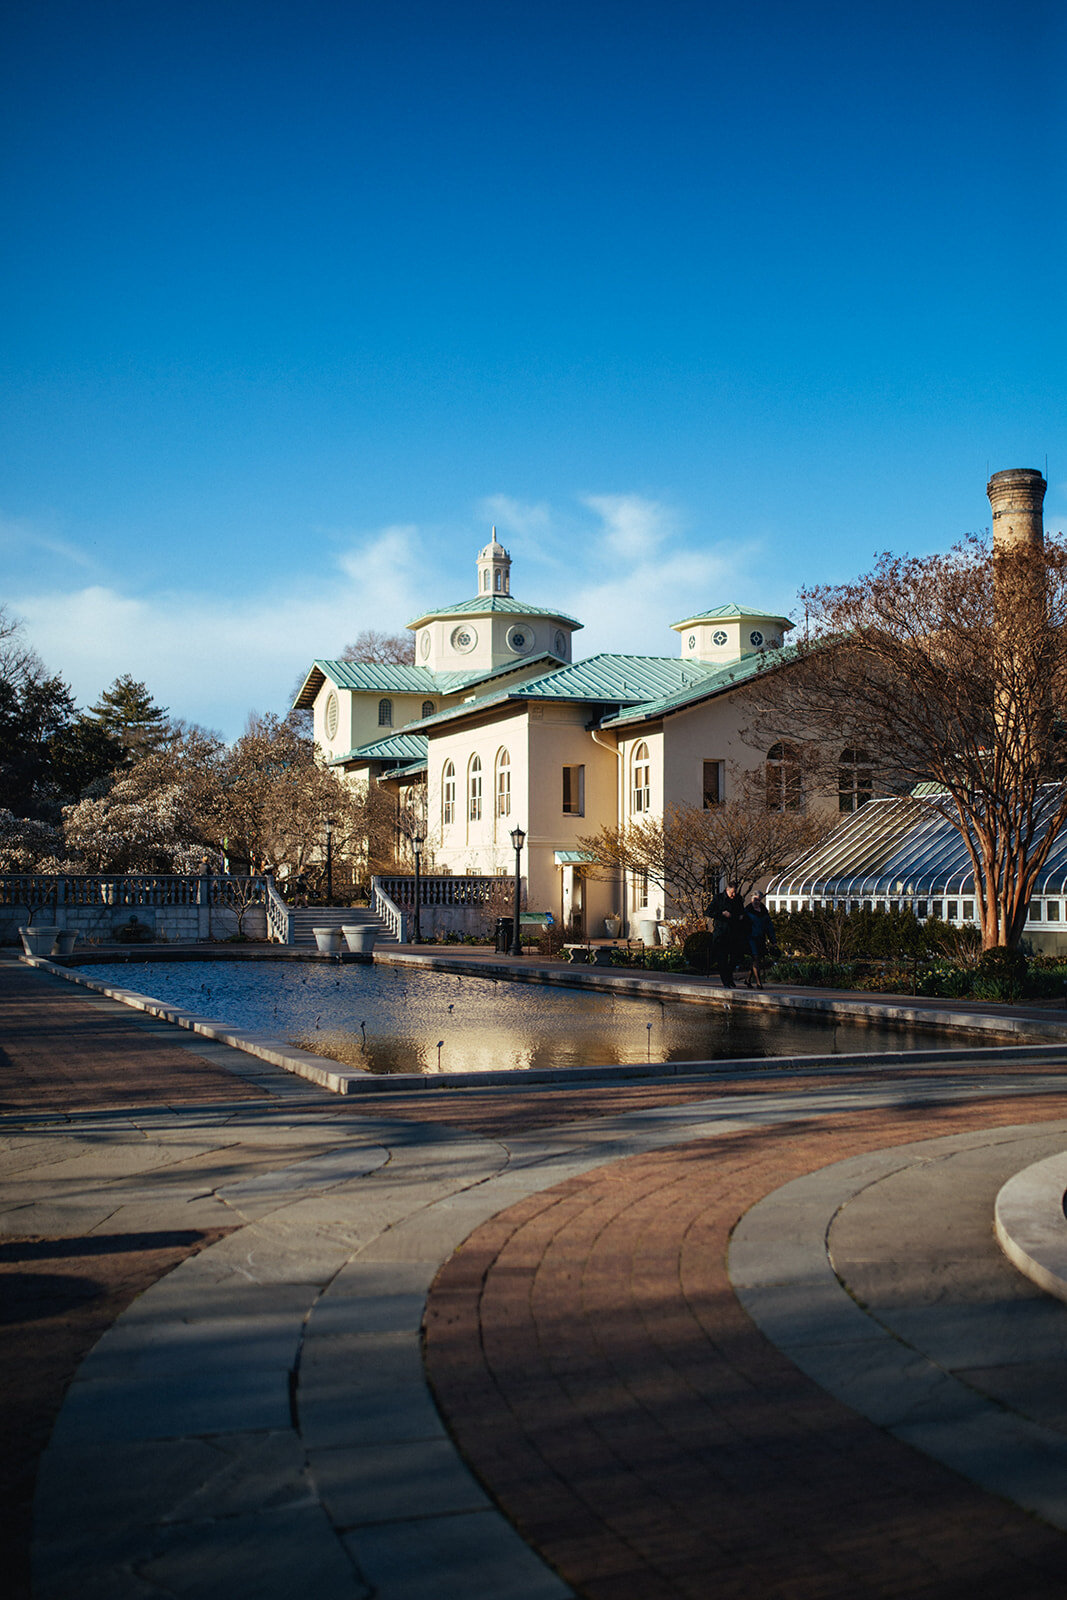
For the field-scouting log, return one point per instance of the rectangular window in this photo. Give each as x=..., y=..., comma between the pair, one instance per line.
x=968, y=911
x=574, y=791
x=1033, y=911
x=952, y=911
x=1052, y=911
x=712, y=784
x=935, y=909
x=641, y=888
x=920, y=910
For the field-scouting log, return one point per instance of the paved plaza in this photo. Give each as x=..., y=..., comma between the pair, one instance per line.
x=742, y=1334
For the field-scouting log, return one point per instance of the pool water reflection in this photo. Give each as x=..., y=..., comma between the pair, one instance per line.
x=390, y=1019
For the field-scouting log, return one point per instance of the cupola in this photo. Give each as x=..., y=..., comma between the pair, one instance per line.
x=494, y=569
x=729, y=633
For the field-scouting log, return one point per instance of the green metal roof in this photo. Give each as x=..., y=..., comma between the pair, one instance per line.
x=717, y=680
x=625, y=680
x=382, y=677
x=605, y=679
x=729, y=612
x=397, y=747
x=486, y=605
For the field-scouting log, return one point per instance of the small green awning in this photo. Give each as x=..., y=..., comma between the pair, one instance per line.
x=572, y=858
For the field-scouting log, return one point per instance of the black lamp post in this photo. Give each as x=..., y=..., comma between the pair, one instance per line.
x=417, y=842
x=329, y=860
x=518, y=839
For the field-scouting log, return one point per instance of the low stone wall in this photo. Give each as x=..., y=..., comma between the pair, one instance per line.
x=168, y=924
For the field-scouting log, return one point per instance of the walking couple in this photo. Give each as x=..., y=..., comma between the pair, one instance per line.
x=741, y=935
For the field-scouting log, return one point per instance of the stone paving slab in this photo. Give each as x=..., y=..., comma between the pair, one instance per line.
x=961, y=1308
x=642, y=1434
x=1031, y=1223
x=648, y=1435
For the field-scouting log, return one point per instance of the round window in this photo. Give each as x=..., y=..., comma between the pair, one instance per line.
x=424, y=643
x=521, y=639
x=330, y=715
x=755, y=637
x=464, y=639
x=719, y=636
x=561, y=642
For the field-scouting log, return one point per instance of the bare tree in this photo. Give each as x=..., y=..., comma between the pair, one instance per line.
x=398, y=649
x=689, y=852
x=948, y=671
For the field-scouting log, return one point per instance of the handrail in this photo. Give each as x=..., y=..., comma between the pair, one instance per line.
x=279, y=915
x=385, y=907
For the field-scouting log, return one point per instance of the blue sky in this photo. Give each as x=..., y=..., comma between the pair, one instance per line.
x=696, y=302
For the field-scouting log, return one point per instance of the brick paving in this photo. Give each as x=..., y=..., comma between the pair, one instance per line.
x=586, y=1346
x=61, y=1053
x=60, y=1050
x=600, y=1376
x=57, y=1297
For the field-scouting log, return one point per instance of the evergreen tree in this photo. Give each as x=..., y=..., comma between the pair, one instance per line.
x=128, y=712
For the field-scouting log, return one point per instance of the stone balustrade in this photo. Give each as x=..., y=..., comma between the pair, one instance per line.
x=171, y=906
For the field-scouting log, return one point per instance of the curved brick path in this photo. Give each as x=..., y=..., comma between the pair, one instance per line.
x=600, y=1376
x=585, y=1342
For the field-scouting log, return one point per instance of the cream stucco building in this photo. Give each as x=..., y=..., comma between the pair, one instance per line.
x=495, y=726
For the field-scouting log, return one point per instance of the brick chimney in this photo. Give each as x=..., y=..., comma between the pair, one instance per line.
x=1022, y=703
x=1017, y=496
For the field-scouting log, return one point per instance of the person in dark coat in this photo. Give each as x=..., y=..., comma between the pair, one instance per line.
x=761, y=938
x=729, y=931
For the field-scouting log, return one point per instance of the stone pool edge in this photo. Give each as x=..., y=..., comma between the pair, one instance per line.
x=338, y=1079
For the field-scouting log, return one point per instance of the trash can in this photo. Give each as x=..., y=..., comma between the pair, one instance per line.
x=504, y=926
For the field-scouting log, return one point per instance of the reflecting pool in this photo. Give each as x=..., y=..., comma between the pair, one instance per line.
x=391, y=1019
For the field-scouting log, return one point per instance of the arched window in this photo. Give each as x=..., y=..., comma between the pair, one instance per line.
x=474, y=790
x=503, y=784
x=641, y=798
x=385, y=713
x=485, y=580
x=855, y=781
x=448, y=794
x=428, y=708
x=783, y=778
x=499, y=579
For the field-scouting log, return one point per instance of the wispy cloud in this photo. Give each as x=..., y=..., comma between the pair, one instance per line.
x=212, y=657
x=515, y=516
x=20, y=535
x=634, y=528
x=623, y=564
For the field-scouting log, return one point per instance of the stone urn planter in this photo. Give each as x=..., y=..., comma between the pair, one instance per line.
x=360, y=937
x=612, y=927
x=647, y=931
x=66, y=939
x=328, y=940
x=39, y=941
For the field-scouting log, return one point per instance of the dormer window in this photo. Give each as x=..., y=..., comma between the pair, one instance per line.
x=385, y=713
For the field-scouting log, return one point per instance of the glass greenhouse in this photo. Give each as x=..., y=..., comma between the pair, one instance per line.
x=902, y=854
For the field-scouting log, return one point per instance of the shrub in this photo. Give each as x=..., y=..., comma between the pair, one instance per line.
x=698, y=951
x=550, y=941
x=814, y=974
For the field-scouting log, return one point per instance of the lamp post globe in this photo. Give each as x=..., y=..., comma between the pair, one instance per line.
x=518, y=839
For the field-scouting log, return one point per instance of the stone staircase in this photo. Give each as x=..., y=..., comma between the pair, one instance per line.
x=305, y=918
